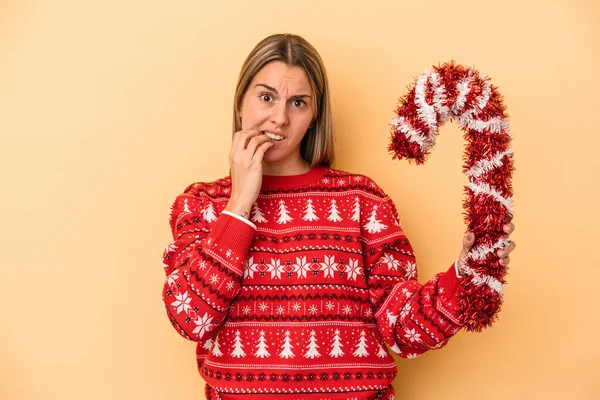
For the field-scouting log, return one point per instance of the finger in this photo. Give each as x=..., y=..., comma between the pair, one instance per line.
x=509, y=228
x=245, y=135
x=504, y=261
x=468, y=241
x=260, y=152
x=256, y=141
x=506, y=251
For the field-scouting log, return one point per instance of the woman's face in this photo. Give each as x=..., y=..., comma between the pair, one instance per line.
x=278, y=103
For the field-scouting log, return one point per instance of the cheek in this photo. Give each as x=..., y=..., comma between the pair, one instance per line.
x=252, y=117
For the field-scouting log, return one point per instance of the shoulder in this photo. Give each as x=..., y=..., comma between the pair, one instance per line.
x=215, y=189
x=355, y=181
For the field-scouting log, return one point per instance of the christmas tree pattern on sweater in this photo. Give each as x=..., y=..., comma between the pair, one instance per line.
x=308, y=295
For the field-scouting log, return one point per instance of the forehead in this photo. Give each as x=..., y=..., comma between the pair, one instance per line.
x=283, y=77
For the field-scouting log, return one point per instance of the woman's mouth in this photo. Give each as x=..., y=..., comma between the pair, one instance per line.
x=273, y=136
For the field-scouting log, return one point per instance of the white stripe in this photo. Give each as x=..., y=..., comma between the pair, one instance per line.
x=463, y=90
x=494, y=125
x=485, y=95
x=484, y=166
x=439, y=98
x=480, y=279
x=411, y=134
x=481, y=252
x=483, y=187
x=425, y=110
x=472, y=112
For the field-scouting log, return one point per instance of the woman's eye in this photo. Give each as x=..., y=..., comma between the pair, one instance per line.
x=266, y=97
x=298, y=103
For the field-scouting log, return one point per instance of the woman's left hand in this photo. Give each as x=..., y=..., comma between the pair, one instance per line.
x=469, y=239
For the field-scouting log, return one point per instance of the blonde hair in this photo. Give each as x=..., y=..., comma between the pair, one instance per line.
x=318, y=144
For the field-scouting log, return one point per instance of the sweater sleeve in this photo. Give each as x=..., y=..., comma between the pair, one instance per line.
x=203, y=264
x=411, y=317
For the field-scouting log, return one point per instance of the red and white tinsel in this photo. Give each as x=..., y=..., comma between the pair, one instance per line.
x=455, y=92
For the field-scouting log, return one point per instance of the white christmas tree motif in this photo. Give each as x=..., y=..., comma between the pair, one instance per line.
x=381, y=353
x=374, y=225
x=391, y=318
x=353, y=269
x=329, y=266
x=257, y=214
x=361, y=348
x=209, y=213
x=309, y=213
x=207, y=344
x=336, y=347
x=356, y=214
x=203, y=324
x=391, y=262
x=261, y=347
x=334, y=215
x=182, y=302
x=286, y=348
x=186, y=207
x=171, y=213
x=215, y=349
x=284, y=217
x=411, y=270
x=238, y=350
x=312, y=347
x=301, y=267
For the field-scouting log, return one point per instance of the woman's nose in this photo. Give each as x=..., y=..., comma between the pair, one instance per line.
x=279, y=114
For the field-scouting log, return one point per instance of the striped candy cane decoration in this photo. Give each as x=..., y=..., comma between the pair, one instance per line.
x=454, y=92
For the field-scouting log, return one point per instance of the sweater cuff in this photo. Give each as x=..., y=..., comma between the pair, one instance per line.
x=244, y=220
x=231, y=238
x=449, y=287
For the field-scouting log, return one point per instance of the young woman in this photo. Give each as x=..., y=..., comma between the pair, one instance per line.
x=293, y=277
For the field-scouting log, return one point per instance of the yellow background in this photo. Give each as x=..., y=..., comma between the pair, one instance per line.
x=109, y=109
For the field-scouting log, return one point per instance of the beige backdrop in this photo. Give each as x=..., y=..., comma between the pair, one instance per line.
x=109, y=109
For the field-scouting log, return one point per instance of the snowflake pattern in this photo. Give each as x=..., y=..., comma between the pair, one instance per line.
x=182, y=302
x=353, y=269
x=391, y=262
x=203, y=324
x=412, y=335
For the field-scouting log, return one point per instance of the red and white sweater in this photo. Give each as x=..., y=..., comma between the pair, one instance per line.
x=300, y=301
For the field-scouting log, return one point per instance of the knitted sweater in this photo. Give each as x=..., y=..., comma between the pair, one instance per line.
x=300, y=301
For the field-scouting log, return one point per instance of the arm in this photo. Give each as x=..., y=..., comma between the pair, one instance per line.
x=412, y=317
x=204, y=265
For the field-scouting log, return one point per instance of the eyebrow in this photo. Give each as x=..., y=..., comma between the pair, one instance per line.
x=298, y=96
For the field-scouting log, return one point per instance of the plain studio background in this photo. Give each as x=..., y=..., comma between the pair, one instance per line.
x=109, y=109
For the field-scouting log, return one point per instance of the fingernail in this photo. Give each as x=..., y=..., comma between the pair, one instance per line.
x=469, y=236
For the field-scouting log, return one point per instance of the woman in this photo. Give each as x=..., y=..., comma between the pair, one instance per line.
x=293, y=276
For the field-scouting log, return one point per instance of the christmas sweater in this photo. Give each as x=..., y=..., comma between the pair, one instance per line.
x=304, y=299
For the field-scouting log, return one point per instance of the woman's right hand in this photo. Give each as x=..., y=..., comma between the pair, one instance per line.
x=245, y=159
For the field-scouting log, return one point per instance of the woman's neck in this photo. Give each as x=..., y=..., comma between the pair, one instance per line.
x=286, y=167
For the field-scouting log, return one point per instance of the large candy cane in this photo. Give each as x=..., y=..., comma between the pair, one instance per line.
x=449, y=92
